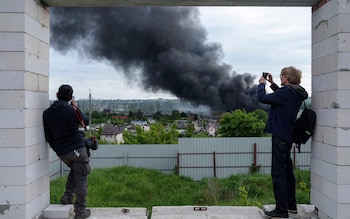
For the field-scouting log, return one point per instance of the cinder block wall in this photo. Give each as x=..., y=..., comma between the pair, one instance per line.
x=330, y=163
x=24, y=70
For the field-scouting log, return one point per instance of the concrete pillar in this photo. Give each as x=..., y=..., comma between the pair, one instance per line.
x=24, y=69
x=330, y=162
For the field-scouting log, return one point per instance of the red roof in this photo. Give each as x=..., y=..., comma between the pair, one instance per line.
x=120, y=117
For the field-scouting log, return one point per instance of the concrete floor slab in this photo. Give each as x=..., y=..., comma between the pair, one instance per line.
x=118, y=213
x=206, y=212
x=179, y=212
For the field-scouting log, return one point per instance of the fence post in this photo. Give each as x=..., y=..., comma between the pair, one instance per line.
x=178, y=164
x=254, y=159
x=62, y=171
x=294, y=156
x=125, y=158
x=214, y=160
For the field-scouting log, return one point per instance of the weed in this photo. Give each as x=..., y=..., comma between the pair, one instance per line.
x=139, y=187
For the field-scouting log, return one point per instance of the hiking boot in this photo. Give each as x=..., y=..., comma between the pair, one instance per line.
x=66, y=201
x=276, y=214
x=85, y=214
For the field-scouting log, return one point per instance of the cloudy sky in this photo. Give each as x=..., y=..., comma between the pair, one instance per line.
x=253, y=39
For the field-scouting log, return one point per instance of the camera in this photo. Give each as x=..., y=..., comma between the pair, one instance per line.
x=264, y=74
x=91, y=143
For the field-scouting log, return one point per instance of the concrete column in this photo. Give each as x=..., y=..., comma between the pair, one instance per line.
x=24, y=69
x=330, y=162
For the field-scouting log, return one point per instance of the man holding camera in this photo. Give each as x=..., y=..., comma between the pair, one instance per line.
x=61, y=127
x=285, y=103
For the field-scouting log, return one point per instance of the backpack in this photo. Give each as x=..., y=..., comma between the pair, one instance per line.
x=304, y=127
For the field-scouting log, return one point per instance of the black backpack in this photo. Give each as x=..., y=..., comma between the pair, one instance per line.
x=304, y=127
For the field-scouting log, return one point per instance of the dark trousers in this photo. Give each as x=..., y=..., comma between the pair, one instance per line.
x=282, y=175
x=77, y=182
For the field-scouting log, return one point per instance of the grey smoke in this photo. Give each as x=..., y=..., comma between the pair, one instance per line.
x=166, y=46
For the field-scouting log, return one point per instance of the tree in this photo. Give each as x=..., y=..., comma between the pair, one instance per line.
x=118, y=122
x=139, y=114
x=131, y=114
x=261, y=114
x=190, y=131
x=99, y=118
x=175, y=114
x=157, y=115
x=183, y=115
x=156, y=135
x=239, y=123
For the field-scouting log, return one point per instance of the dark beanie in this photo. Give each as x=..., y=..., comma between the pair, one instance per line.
x=65, y=92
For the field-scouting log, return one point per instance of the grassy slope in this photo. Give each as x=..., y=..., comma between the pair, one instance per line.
x=138, y=187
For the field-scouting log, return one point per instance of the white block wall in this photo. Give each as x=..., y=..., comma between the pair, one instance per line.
x=24, y=69
x=330, y=163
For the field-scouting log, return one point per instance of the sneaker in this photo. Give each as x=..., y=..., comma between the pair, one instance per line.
x=86, y=214
x=293, y=209
x=275, y=214
x=66, y=201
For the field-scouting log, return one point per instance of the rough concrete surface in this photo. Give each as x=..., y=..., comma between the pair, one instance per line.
x=185, y=212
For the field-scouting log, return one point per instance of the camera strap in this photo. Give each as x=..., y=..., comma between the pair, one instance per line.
x=79, y=116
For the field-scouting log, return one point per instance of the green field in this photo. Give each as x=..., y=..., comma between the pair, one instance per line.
x=138, y=187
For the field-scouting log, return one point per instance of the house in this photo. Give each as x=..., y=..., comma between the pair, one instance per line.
x=112, y=135
x=181, y=126
x=143, y=124
x=138, y=122
x=211, y=130
x=212, y=127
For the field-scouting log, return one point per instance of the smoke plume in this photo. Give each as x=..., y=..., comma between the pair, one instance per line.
x=167, y=47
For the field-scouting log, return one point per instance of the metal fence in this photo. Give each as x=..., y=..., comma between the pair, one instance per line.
x=152, y=156
x=221, y=157
x=196, y=158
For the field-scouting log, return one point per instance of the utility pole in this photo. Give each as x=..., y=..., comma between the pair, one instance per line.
x=90, y=108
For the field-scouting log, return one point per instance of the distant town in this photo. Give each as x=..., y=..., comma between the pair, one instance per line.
x=148, y=106
x=111, y=118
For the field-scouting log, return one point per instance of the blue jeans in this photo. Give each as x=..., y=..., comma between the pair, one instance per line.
x=282, y=175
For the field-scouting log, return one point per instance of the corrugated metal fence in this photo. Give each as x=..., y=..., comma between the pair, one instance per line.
x=222, y=157
x=193, y=157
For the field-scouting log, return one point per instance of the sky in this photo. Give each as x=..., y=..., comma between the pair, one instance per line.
x=253, y=39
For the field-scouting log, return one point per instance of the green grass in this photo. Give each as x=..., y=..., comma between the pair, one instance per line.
x=138, y=187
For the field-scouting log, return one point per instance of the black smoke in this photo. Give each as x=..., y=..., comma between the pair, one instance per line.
x=166, y=46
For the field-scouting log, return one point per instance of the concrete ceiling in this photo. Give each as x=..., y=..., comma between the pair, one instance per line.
x=112, y=3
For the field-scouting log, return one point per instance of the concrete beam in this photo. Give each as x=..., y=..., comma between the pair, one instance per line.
x=114, y=3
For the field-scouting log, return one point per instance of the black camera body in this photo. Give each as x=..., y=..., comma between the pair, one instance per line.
x=264, y=74
x=91, y=143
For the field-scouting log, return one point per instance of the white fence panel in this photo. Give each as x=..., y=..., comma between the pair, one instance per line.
x=196, y=158
x=159, y=157
x=222, y=157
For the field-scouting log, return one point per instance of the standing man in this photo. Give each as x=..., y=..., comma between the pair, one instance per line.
x=61, y=127
x=285, y=103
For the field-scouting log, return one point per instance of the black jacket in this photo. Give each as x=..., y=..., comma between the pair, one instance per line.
x=61, y=127
x=285, y=103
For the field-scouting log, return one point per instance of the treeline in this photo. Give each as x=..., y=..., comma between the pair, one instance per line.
x=163, y=128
